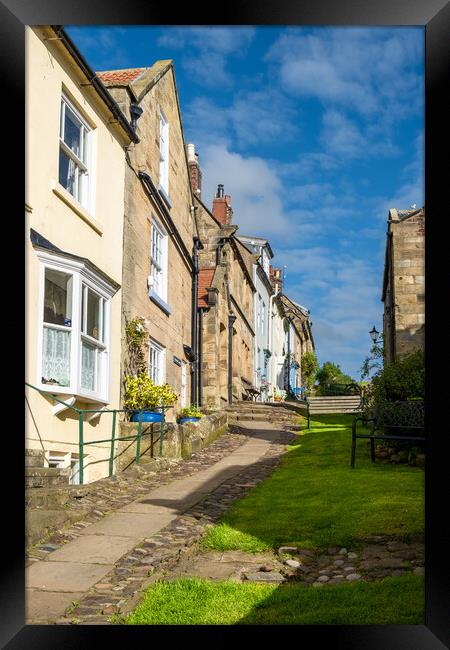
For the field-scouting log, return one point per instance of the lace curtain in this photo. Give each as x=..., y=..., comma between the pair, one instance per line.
x=56, y=357
x=88, y=363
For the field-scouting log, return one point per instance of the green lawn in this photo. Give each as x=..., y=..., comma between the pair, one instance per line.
x=192, y=601
x=315, y=499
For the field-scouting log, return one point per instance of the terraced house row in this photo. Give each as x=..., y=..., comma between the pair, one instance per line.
x=117, y=229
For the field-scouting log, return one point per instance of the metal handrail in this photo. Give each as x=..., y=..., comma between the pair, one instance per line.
x=137, y=437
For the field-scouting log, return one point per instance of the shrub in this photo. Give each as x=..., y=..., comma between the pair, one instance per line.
x=400, y=380
x=309, y=366
x=191, y=412
x=142, y=393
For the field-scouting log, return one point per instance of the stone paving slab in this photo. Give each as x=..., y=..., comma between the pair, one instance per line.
x=92, y=549
x=45, y=605
x=140, y=523
x=133, y=525
x=65, y=576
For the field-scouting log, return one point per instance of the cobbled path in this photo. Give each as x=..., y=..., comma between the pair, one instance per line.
x=174, y=551
x=120, y=590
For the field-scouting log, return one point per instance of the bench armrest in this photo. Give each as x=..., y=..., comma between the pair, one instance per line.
x=360, y=420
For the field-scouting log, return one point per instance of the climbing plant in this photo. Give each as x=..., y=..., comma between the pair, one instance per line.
x=136, y=339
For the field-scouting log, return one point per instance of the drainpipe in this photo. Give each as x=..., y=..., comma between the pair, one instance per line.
x=200, y=357
x=197, y=245
x=289, y=357
x=269, y=335
x=231, y=319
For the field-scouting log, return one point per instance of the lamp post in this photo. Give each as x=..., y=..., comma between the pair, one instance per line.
x=374, y=335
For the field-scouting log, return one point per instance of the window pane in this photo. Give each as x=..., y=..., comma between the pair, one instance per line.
x=88, y=366
x=72, y=132
x=58, y=298
x=67, y=172
x=56, y=357
x=93, y=315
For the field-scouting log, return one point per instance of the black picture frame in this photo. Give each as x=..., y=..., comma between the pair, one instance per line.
x=434, y=15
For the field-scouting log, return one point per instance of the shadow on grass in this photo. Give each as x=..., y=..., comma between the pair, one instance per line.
x=391, y=601
x=315, y=499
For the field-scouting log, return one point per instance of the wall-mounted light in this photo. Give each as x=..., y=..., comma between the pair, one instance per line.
x=374, y=334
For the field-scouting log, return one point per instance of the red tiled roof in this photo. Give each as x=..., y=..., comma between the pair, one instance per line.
x=205, y=277
x=120, y=76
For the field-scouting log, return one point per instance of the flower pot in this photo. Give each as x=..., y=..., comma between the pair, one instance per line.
x=147, y=416
x=183, y=420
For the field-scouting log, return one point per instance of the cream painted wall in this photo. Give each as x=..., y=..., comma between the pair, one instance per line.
x=96, y=235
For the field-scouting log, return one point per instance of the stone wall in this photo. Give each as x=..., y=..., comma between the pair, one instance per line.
x=170, y=328
x=179, y=440
x=408, y=295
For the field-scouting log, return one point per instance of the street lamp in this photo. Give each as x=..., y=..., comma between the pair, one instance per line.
x=374, y=334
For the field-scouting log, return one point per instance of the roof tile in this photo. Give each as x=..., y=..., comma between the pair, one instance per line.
x=120, y=76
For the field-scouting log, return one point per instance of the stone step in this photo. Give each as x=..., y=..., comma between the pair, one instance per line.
x=34, y=458
x=45, y=476
x=334, y=399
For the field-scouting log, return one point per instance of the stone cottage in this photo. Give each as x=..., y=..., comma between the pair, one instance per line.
x=225, y=300
x=262, y=304
x=403, y=291
x=160, y=241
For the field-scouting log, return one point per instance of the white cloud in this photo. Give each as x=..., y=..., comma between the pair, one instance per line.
x=205, y=51
x=251, y=118
x=367, y=70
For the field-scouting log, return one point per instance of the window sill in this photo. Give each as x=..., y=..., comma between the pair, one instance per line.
x=160, y=302
x=68, y=199
x=164, y=196
x=64, y=392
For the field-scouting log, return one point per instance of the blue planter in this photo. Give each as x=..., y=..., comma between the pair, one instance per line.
x=147, y=416
x=183, y=420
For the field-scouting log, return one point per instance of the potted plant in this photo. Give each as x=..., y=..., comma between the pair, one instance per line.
x=189, y=414
x=142, y=394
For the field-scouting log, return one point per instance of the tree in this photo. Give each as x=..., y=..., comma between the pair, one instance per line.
x=331, y=373
x=375, y=359
x=309, y=366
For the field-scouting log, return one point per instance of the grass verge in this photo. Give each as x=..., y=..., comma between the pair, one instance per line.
x=314, y=499
x=193, y=601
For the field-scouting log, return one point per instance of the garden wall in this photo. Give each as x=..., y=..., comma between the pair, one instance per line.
x=179, y=440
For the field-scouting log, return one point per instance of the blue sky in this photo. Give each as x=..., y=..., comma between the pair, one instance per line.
x=315, y=133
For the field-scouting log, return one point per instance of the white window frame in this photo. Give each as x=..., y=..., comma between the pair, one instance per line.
x=158, y=352
x=263, y=316
x=158, y=267
x=85, y=196
x=82, y=277
x=163, y=152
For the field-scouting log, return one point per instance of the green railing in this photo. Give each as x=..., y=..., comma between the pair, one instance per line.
x=81, y=442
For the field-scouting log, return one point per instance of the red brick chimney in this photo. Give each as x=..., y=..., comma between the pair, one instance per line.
x=222, y=207
x=195, y=174
x=276, y=277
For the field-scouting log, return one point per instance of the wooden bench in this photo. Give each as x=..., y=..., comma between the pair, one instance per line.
x=392, y=421
x=250, y=391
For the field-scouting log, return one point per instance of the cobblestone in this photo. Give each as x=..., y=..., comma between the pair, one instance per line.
x=158, y=556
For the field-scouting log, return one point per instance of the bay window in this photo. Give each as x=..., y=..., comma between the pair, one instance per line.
x=74, y=327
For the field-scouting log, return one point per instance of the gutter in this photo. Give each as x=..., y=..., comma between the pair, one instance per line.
x=95, y=81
